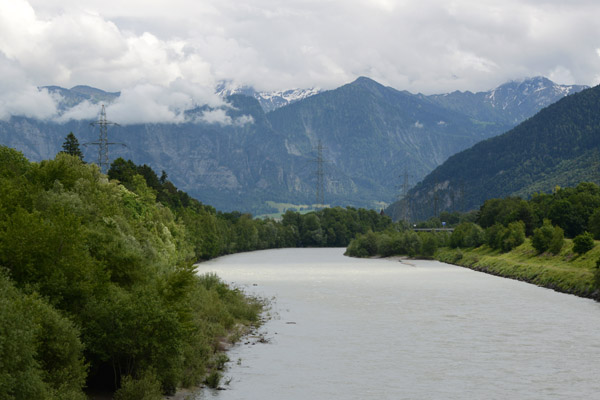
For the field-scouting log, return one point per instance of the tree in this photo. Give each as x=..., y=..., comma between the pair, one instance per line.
x=548, y=237
x=71, y=146
x=513, y=236
x=583, y=243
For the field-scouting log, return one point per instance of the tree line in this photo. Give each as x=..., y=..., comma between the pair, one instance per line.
x=503, y=224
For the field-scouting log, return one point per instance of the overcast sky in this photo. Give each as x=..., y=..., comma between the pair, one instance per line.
x=167, y=56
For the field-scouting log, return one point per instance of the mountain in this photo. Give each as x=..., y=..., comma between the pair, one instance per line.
x=77, y=94
x=370, y=135
x=269, y=101
x=559, y=146
x=509, y=103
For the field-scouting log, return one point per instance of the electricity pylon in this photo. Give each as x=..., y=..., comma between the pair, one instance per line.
x=103, y=142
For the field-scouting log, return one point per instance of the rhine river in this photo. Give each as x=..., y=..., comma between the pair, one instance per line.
x=344, y=328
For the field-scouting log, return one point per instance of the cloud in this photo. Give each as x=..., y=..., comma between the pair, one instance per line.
x=19, y=97
x=159, y=79
x=219, y=116
x=165, y=56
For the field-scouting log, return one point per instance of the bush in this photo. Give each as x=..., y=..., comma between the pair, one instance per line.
x=411, y=243
x=494, y=234
x=548, y=238
x=429, y=245
x=40, y=351
x=385, y=245
x=558, y=240
x=467, y=234
x=513, y=236
x=145, y=388
x=363, y=246
x=213, y=379
x=583, y=243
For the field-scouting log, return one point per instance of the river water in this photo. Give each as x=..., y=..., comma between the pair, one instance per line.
x=344, y=328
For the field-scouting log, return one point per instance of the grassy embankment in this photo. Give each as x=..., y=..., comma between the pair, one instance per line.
x=566, y=272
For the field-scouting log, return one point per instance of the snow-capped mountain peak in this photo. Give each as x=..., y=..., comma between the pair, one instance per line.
x=269, y=101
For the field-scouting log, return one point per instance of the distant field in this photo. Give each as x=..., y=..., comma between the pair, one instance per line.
x=283, y=207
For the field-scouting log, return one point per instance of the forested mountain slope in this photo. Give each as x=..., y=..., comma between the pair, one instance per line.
x=559, y=146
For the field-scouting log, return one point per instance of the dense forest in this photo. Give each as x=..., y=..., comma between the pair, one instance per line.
x=97, y=283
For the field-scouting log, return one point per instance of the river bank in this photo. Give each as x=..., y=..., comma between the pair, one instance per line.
x=565, y=272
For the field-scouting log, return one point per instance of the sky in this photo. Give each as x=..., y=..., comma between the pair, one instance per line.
x=167, y=56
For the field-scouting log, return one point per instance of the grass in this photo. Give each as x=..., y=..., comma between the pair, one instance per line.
x=283, y=207
x=565, y=272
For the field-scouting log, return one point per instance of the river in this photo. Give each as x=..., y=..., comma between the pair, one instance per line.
x=344, y=328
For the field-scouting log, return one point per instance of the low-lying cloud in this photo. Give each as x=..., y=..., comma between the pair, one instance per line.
x=166, y=57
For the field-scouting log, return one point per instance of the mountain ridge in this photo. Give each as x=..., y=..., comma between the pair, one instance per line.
x=559, y=146
x=371, y=135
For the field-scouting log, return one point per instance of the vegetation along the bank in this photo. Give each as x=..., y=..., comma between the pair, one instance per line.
x=98, y=288
x=548, y=240
x=97, y=284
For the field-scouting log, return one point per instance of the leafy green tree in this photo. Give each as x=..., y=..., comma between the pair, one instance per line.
x=548, y=238
x=71, y=146
x=583, y=243
x=429, y=244
x=494, y=235
x=558, y=240
x=594, y=223
x=42, y=356
x=513, y=236
x=467, y=234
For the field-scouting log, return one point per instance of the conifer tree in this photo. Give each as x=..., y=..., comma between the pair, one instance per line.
x=71, y=146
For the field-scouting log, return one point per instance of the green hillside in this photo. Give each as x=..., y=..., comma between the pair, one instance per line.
x=559, y=146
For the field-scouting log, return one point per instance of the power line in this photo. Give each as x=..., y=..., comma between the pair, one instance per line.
x=103, y=142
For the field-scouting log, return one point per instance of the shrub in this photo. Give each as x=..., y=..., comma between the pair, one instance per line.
x=145, y=388
x=213, y=379
x=467, y=234
x=429, y=245
x=543, y=236
x=411, y=243
x=558, y=240
x=385, y=245
x=513, y=236
x=583, y=243
x=493, y=235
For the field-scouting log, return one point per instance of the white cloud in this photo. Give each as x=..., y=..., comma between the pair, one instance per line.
x=219, y=116
x=419, y=125
x=169, y=55
x=20, y=97
x=84, y=110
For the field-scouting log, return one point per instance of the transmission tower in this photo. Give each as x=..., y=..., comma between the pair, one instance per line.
x=405, y=197
x=436, y=198
x=320, y=189
x=103, y=142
